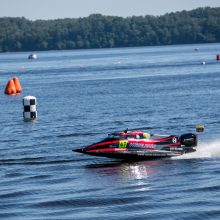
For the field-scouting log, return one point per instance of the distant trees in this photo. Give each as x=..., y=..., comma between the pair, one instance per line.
x=201, y=25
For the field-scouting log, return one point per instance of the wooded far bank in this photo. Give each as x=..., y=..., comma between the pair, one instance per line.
x=201, y=25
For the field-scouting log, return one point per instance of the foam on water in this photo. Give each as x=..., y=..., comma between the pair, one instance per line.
x=204, y=150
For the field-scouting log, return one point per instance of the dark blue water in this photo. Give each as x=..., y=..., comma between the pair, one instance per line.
x=82, y=95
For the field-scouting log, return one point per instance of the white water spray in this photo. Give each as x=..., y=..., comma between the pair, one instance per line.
x=204, y=150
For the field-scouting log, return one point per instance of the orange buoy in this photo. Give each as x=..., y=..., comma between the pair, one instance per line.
x=10, y=88
x=17, y=85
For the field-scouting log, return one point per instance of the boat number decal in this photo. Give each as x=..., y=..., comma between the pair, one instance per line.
x=174, y=140
x=123, y=144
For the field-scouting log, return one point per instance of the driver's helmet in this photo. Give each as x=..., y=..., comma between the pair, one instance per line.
x=146, y=135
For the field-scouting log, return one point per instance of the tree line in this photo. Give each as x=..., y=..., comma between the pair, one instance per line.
x=200, y=25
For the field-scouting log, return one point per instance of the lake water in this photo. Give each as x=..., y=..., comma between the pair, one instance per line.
x=83, y=95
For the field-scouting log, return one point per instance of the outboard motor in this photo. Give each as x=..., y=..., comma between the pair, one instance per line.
x=188, y=140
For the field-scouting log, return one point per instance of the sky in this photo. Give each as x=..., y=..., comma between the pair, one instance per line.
x=54, y=9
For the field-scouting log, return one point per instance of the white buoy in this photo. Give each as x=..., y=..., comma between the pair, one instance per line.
x=30, y=109
x=32, y=56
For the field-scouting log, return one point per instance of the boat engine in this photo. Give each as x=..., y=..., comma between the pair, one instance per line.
x=188, y=140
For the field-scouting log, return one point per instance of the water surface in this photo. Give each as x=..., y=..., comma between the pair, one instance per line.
x=84, y=94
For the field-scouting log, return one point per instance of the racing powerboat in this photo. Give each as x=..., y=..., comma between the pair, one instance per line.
x=138, y=145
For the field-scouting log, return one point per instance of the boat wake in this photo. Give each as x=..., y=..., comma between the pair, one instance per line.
x=204, y=150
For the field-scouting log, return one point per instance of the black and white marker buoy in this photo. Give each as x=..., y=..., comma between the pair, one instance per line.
x=30, y=107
